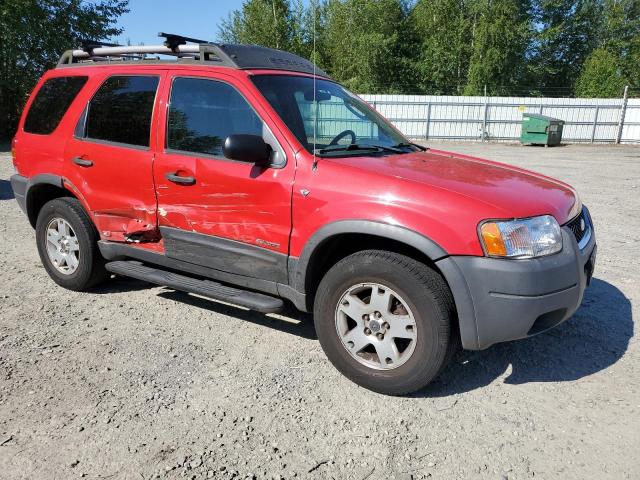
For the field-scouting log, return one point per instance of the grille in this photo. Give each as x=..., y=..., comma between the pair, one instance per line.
x=579, y=226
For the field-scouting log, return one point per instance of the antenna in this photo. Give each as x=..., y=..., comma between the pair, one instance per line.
x=314, y=166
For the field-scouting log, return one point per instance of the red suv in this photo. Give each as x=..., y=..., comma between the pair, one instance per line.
x=247, y=175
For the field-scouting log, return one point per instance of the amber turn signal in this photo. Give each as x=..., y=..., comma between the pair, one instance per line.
x=492, y=238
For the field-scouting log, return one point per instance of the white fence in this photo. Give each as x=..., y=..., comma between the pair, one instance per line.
x=499, y=118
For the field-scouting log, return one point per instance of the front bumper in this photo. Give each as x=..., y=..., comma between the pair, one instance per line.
x=499, y=300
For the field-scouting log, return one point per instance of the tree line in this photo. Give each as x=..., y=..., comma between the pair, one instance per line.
x=508, y=47
x=587, y=48
x=33, y=34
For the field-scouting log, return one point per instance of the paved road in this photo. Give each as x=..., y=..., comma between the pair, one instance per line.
x=138, y=382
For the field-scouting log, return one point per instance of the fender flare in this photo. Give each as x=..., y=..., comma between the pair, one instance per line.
x=298, y=268
x=47, y=179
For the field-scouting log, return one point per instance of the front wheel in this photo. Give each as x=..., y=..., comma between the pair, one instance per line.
x=385, y=321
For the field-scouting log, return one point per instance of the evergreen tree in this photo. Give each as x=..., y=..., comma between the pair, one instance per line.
x=278, y=24
x=453, y=46
x=363, y=43
x=308, y=22
x=501, y=32
x=33, y=35
x=443, y=30
x=616, y=61
x=260, y=22
x=567, y=32
x=601, y=76
x=620, y=35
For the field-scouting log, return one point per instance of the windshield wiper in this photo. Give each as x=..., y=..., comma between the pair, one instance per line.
x=356, y=146
x=409, y=144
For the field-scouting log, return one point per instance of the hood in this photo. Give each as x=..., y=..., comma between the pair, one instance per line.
x=511, y=191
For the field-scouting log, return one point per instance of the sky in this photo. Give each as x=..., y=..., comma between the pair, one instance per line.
x=192, y=18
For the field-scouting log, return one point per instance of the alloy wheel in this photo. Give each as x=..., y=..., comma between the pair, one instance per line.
x=63, y=248
x=376, y=326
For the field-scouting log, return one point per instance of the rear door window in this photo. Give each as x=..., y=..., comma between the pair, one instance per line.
x=51, y=103
x=121, y=110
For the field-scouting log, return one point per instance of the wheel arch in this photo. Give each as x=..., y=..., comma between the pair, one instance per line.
x=41, y=189
x=337, y=240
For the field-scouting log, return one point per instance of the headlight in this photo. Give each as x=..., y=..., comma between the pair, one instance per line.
x=576, y=208
x=524, y=238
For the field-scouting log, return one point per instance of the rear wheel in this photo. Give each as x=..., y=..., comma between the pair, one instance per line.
x=67, y=244
x=385, y=321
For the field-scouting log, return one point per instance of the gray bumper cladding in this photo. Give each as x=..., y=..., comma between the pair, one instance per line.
x=19, y=186
x=499, y=300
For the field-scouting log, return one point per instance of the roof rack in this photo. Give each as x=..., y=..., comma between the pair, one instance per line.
x=173, y=41
x=187, y=49
x=88, y=44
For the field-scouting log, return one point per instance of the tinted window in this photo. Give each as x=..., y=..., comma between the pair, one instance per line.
x=203, y=113
x=320, y=113
x=51, y=103
x=121, y=110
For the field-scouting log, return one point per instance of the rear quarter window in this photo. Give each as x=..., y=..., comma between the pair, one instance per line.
x=51, y=103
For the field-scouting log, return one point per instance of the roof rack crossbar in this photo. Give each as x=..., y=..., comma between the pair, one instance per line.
x=173, y=41
x=88, y=45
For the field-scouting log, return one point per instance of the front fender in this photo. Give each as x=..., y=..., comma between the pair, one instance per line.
x=298, y=268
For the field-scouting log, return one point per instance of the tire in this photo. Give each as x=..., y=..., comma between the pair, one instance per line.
x=423, y=295
x=89, y=269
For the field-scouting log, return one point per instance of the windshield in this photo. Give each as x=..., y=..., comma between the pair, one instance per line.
x=339, y=123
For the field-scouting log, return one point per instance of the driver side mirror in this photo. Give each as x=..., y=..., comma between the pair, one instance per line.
x=247, y=148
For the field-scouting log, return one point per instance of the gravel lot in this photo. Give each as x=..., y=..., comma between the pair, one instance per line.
x=133, y=381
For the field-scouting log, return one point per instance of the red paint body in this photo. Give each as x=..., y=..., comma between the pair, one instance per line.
x=442, y=195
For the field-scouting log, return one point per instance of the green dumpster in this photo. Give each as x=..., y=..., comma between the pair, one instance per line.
x=540, y=130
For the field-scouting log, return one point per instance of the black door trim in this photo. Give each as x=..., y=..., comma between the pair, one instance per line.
x=226, y=255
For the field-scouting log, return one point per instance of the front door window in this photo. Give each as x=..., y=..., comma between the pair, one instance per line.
x=203, y=113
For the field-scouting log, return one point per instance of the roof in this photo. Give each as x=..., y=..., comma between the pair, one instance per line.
x=190, y=50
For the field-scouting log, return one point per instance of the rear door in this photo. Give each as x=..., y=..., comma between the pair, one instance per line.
x=110, y=157
x=224, y=214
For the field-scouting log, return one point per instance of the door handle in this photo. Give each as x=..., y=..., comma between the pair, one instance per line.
x=172, y=177
x=83, y=162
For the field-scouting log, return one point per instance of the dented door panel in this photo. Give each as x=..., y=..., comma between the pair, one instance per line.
x=228, y=200
x=118, y=187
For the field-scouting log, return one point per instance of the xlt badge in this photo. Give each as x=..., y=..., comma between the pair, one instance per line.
x=260, y=241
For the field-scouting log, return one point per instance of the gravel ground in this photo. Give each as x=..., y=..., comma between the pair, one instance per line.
x=134, y=381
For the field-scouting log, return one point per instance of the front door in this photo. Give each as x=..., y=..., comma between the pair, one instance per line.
x=220, y=213
x=110, y=158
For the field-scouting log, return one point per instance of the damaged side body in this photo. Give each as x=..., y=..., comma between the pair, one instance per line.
x=133, y=225
x=120, y=194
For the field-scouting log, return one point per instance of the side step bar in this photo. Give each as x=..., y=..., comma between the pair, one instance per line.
x=216, y=291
